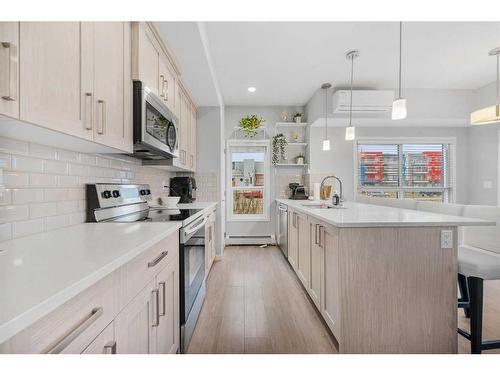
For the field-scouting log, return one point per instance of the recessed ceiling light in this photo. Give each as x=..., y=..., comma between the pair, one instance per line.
x=252, y=89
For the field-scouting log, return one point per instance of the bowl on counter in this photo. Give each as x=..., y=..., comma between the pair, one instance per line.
x=169, y=202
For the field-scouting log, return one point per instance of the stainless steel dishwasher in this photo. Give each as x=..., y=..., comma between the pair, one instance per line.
x=282, y=228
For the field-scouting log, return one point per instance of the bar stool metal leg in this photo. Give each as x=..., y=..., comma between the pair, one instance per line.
x=464, y=294
x=475, y=285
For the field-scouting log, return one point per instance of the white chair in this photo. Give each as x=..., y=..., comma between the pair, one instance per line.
x=478, y=260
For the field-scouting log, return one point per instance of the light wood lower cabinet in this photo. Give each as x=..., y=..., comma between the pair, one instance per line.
x=209, y=243
x=304, y=249
x=293, y=246
x=133, y=310
x=317, y=264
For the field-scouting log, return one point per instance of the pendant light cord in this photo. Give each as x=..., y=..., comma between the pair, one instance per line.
x=352, y=75
x=400, y=44
x=326, y=113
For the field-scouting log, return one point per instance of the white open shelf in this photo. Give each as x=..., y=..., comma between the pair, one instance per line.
x=290, y=165
x=291, y=124
x=297, y=144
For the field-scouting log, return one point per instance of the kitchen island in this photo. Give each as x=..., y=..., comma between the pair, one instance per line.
x=384, y=279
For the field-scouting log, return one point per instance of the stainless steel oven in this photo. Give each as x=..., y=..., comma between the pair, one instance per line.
x=155, y=126
x=192, y=276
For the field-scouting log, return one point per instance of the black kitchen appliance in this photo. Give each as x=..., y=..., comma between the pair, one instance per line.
x=184, y=187
x=298, y=191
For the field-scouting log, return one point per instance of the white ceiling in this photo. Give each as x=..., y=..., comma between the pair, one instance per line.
x=288, y=61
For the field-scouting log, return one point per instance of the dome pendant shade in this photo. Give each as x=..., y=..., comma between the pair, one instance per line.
x=350, y=133
x=326, y=145
x=399, y=109
x=489, y=115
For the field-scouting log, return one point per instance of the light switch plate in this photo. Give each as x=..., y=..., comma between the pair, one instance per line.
x=447, y=239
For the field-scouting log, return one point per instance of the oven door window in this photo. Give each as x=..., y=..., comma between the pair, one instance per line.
x=194, y=268
x=157, y=125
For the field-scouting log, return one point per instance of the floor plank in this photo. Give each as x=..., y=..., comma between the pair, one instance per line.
x=255, y=304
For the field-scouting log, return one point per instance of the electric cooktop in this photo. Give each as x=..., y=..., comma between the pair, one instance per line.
x=157, y=215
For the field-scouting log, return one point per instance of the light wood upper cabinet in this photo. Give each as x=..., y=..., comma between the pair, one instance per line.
x=168, y=334
x=112, y=90
x=330, y=305
x=192, y=138
x=56, y=75
x=135, y=324
x=145, y=56
x=167, y=84
x=9, y=69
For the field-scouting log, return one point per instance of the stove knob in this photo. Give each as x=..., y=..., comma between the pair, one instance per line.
x=116, y=193
x=106, y=194
x=143, y=192
x=148, y=192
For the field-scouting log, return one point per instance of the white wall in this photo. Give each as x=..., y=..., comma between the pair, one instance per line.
x=340, y=159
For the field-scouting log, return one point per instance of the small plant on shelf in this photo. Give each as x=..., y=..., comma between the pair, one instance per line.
x=300, y=159
x=297, y=117
x=279, y=148
x=250, y=124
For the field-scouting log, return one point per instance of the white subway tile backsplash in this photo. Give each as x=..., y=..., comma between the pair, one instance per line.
x=46, y=184
x=5, y=232
x=55, y=167
x=67, y=181
x=43, y=180
x=54, y=195
x=26, y=164
x=42, y=209
x=15, y=179
x=68, y=155
x=42, y=151
x=13, y=146
x=54, y=222
x=65, y=207
x=13, y=213
x=25, y=228
x=23, y=196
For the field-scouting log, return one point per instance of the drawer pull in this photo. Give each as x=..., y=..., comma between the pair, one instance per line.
x=62, y=344
x=158, y=259
x=156, y=308
x=110, y=347
x=89, y=105
x=163, y=293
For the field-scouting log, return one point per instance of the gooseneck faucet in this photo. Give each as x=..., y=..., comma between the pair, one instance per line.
x=340, y=187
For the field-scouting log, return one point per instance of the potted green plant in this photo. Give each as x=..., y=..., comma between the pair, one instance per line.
x=300, y=159
x=250, y=124
x=279, y=148
x=297, y=117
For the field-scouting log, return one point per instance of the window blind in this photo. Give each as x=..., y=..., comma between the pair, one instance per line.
x=378, y=165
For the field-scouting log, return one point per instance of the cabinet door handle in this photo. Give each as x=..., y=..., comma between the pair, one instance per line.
x=163, y=293
x=110, y=347
x=316, y=227
x=157, y=260
x=156, y=299
x=162, y=83
x=321, y=241
x=191, y=161
x=62, y=344
x=12, y=71
x=101, y=124
x=89, y=111
x=166, y=90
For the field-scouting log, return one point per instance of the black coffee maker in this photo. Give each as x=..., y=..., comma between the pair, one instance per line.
x=184, y=187
x=298, y=191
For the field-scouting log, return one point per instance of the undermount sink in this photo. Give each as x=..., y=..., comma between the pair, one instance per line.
x=322, y=206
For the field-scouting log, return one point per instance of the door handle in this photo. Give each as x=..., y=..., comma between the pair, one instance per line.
x=156, y=299
x=12, y=71
x=316, y=227
x=163, y=293
x=89, y=112
x=157, y=260
x=162, y=83
x=101, y=125
x=321, y=239
x=110, y=347
x=166, y=90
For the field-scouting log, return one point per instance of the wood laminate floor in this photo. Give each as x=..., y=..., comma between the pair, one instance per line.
x=255, y=304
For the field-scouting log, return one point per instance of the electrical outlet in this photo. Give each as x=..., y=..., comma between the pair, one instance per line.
x=446, y=239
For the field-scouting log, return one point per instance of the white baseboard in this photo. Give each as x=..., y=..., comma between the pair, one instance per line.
x=250, y=240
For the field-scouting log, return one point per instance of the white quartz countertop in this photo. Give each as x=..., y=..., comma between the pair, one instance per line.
x=41, y=272
x=360, y=215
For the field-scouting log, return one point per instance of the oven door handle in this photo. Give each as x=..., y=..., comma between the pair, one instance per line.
x=190, y=230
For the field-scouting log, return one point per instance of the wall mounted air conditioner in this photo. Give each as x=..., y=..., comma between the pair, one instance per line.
x=363, y=101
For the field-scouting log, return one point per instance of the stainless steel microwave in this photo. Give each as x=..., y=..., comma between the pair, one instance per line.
x=156, y=135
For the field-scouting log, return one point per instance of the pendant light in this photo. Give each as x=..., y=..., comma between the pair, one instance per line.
x=350, y=132
x=489, y=115
x=399, y=105
x=326, y=141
